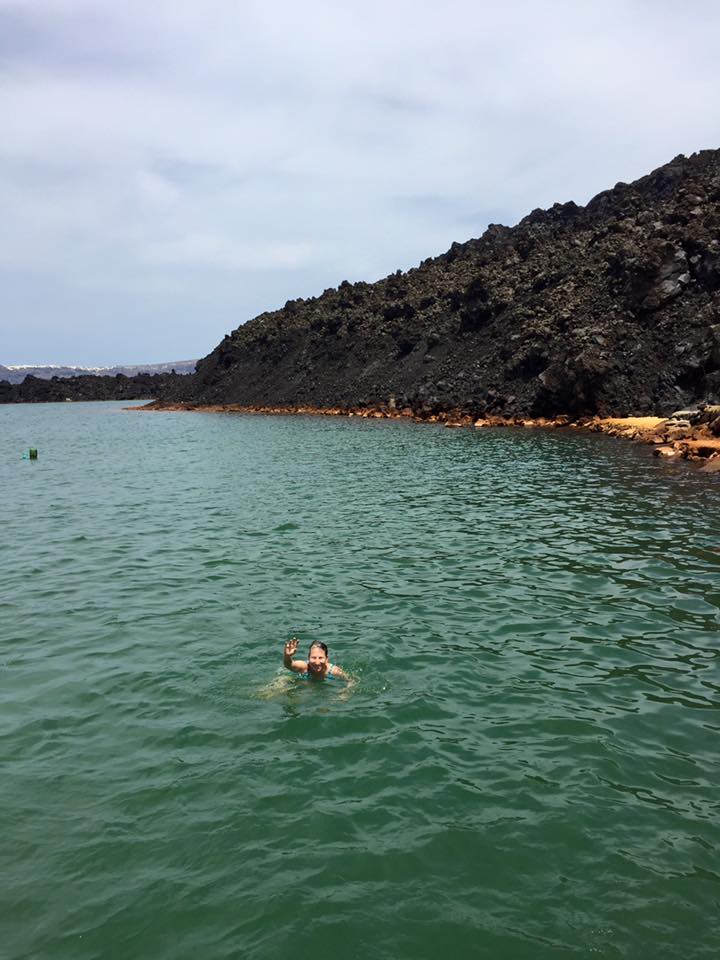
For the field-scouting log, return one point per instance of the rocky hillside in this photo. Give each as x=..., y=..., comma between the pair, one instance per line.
x=611, y=308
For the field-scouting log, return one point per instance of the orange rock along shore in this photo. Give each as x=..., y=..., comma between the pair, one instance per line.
x=671, y=437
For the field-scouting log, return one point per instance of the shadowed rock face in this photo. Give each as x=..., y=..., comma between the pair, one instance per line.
x=612, y=308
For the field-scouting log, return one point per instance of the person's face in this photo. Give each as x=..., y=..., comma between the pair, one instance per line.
x=316, y=660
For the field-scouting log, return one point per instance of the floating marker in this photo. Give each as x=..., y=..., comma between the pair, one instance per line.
x=33, y=453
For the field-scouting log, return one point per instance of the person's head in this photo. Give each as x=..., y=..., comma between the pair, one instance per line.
x=317, y=657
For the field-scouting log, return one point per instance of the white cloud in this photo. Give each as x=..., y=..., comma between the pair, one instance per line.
x=152, y=150
x=223, y=252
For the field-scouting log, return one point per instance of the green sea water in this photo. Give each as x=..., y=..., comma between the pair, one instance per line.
x=525, y=766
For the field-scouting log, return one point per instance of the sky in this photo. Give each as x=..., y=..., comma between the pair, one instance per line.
x=170, y=170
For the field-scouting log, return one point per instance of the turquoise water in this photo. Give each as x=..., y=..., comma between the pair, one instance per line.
x=526, y=765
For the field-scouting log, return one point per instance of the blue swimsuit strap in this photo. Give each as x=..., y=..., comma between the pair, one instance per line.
x=328, y=675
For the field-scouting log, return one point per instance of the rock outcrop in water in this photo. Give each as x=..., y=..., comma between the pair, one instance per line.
x=612, y=308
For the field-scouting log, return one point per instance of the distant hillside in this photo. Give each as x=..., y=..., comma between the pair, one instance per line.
x=612, y=308
x=16, y=374
x=143, y=386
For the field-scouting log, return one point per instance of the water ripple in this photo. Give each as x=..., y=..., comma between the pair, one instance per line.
x=526, y=764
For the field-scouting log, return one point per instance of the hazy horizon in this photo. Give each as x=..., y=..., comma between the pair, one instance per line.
x=84, y=366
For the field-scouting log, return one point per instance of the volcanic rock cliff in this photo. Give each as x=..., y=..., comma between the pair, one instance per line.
x=611, y=308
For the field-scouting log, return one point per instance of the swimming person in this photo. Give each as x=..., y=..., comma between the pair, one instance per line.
x=317, y=666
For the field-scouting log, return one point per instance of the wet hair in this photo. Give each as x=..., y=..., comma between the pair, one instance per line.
x=323, y=647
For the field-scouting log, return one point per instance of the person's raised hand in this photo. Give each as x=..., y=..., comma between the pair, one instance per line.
x=291, y=646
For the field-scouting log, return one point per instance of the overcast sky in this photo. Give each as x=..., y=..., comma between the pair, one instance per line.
x=169, y=170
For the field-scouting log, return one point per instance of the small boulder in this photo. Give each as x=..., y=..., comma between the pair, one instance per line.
x=677, y=431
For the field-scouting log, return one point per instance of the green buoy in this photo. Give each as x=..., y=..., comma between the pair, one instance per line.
x=33, y=453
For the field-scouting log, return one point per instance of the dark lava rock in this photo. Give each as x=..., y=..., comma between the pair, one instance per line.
x=613, y=308
x=89, y=387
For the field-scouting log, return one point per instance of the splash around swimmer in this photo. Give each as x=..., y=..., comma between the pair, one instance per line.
x=317, y=666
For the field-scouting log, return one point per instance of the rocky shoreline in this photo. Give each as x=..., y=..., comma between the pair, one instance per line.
x=692, y=435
